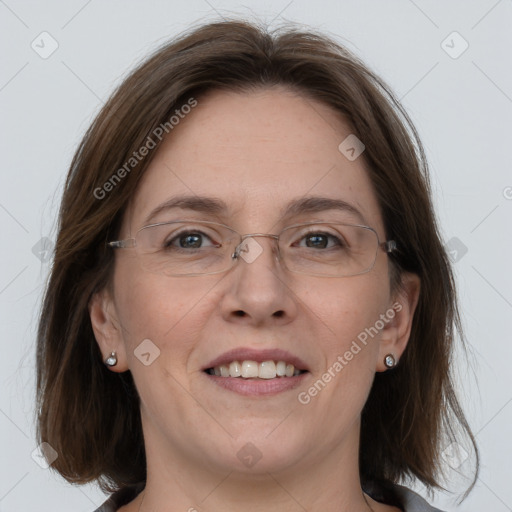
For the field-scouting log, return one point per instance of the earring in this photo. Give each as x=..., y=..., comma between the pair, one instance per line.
x=111, y=360
x=390, y=361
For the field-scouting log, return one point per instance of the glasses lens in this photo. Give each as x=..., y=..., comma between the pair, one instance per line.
x=186, y=248
x=329, y=249
x=196, y=248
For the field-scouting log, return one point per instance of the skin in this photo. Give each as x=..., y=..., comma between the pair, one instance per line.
x=256, y=151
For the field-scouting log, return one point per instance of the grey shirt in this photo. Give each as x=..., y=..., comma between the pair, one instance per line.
x=396, y=495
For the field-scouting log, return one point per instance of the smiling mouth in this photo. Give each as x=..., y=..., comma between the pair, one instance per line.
x=253, y=370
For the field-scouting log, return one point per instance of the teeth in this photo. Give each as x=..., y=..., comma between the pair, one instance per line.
x=253, y=369
x=235, y=369
x=267, y=370
x=281, y=368
x=250, y=369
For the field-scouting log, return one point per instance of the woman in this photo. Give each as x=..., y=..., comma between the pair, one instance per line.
x=250, y=304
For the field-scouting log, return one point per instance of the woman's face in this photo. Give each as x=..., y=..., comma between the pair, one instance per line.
x=255, y=152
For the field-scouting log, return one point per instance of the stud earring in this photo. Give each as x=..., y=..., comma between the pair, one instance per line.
x=111, y=360
x=390, y=361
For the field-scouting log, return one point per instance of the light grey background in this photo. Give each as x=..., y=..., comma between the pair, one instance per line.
x=462, y=108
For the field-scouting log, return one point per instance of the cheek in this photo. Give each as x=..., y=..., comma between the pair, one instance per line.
x=168, y=311
x=348, y=341
x=163, y=319
x=349, y=310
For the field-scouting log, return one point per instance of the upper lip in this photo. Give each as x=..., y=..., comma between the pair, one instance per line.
x=249, y=354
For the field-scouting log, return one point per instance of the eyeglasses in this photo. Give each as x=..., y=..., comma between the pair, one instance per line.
x=196, y=248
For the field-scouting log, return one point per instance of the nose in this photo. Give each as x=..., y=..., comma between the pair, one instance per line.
x=258, y=290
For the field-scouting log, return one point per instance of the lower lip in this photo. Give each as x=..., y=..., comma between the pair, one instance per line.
x=258, y=387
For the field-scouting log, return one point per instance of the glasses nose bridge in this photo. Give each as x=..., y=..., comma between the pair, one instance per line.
x=239, y=247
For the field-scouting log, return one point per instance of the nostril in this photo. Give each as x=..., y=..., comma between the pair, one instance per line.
x=240, y=313
x=279, y=313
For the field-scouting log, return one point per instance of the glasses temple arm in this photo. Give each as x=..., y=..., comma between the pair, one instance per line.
x=122, y=244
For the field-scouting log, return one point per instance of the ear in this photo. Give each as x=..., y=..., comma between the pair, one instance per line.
x=395, y=334
x=107, y=330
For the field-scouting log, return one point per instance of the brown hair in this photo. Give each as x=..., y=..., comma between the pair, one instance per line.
x=90, y=415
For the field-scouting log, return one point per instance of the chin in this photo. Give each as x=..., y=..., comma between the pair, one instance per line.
x=258, y=451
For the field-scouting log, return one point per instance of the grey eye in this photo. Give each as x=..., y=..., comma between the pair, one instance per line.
x=189, y=240
x=192, y=240
x=319, y=240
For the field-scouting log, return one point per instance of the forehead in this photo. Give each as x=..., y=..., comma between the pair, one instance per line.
x=257, y=152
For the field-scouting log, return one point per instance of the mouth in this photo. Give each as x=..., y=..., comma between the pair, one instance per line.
x=253, y=370
x=257, y=372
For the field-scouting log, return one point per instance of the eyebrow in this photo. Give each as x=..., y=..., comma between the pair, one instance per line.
x=215, y=207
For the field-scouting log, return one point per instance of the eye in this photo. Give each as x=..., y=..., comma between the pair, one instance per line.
x=189, y=239
x=321, y=240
